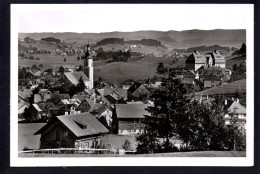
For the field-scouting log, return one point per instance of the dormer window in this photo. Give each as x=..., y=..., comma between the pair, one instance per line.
x=82, y=126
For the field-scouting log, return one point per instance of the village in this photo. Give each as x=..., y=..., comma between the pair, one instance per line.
x=95, y=116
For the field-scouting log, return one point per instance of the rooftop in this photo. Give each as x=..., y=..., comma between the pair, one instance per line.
x=132, y=110
x=91, y=125
x=74, y=77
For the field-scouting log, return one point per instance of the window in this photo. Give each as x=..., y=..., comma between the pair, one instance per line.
x=66, y=133
x=58, y=135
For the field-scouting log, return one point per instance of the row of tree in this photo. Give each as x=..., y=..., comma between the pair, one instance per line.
x=200, y=126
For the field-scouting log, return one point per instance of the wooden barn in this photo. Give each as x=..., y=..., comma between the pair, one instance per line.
x=72, y=131
x=131, y=117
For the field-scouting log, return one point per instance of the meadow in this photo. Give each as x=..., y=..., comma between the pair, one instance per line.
x=114, y=72
x=26, y=137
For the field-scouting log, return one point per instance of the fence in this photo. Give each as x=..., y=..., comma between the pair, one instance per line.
x=78, y=151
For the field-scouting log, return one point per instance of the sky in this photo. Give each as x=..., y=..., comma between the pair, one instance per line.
x=97, y=18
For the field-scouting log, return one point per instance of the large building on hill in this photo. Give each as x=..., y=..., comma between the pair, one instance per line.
x=212, y=59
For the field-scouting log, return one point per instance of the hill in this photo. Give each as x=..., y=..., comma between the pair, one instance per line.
x=203, y=49
x=177, y=39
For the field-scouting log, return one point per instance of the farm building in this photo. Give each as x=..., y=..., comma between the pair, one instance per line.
x=197, y=60
x=72, y=131
x=102, y=111
x=210, y=81
x=138, y=90
x=131, y=117
x=239, y=111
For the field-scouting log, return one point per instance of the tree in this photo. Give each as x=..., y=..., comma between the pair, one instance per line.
x=61, y=70
x=160, y=68
x=34, y=67
x=234, y=67
x=202, y=127
x=81, y=85
x=40, y=66
x=147, y=142
x=242, y=49
x=80, y=68
x=78, y=58
x=65, y=59
x=127, y=145
x=169, y=103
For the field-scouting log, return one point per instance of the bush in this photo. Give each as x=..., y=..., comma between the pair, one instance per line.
x=163, y=148
x=127, y=145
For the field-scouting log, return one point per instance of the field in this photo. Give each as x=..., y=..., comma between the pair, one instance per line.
x=50, y=61
x=26, y=137
x=113, y=72
x=136, y=70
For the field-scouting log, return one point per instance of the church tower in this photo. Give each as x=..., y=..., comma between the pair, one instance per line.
x=88, y=67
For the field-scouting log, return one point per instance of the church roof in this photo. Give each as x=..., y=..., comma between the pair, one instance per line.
x=74, y=77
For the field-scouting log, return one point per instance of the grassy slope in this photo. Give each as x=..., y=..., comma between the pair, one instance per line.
x=118, y=72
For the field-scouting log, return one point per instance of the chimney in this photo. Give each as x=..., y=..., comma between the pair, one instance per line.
x=225, y=101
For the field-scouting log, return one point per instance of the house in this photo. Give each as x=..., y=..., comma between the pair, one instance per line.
x=42, y=96
x=188, y=77
x=239, y=111
x=82, y=131
x=195, y=61
x=210, y=81
x=138, y=90
x=131, y=117
x=100, y=110
x=22, y=97
x=36, y=112
x=85, y=105
x=217, y=59
x=21, y=107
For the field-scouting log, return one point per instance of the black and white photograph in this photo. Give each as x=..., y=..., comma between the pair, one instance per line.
x=132, y=84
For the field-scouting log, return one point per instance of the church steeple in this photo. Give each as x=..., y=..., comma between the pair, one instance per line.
x=88, y=66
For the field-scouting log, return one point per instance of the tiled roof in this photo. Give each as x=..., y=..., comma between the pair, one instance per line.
x=80, y=97
x=211, y=78
x=98, y=108
x=37, y=107
x=134, y=87
x=132, y=110
x=236, y=108
x=74, y=77
x=75, y=122
x=215, y=68
x=230, y=88
x=22, y=95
